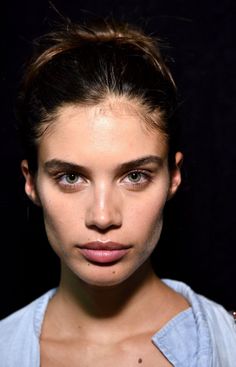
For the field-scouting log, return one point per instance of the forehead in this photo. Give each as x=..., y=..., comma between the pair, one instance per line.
x=115, y=126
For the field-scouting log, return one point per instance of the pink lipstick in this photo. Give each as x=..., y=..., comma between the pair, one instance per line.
x=103, y=252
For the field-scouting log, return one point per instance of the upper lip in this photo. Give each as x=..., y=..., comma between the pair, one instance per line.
x=100, y=245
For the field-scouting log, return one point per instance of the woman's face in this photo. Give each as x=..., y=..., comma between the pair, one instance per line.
x=102, y=182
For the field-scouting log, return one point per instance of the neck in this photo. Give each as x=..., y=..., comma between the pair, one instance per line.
x=104, y=302
x=111, y=313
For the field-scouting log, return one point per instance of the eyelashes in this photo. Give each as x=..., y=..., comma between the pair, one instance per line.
x=70, y=178
x=72, y=181
x=137, y=178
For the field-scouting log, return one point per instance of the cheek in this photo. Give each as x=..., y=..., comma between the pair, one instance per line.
x=152, y=226
x=56, y=207
x=146, y=221
x=57, y=227
x=54, y=226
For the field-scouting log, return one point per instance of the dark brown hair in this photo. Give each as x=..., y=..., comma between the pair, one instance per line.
x=83, y=65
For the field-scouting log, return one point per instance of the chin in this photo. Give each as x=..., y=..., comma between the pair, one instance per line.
x=109, y=276
x=104, y=276
x=112, y=279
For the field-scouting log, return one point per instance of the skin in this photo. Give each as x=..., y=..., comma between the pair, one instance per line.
x=103, y=175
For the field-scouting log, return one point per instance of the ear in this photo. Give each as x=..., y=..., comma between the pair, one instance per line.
x=30, y=186
x=175, y=175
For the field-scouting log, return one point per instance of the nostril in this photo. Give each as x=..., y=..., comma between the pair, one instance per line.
x=103, y=223
x=102, y=230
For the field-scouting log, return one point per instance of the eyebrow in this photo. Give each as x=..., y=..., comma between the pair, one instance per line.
x=57, y=164
x=141, y=162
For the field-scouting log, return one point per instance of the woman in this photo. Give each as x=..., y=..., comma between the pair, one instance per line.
x=97, y=111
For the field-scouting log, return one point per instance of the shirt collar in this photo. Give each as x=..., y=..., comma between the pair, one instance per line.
x=185, y=339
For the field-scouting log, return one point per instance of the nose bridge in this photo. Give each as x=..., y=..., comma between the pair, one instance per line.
x=104, y=209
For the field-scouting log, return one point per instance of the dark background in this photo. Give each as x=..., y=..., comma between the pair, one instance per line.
x=198, y=241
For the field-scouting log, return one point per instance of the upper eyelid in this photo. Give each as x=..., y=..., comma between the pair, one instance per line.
x=62, y=176
x=60, y=171
x=138, y=170
x=146, y=171
x=142, y=174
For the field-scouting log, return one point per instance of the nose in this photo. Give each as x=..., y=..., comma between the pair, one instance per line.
x=104, y=209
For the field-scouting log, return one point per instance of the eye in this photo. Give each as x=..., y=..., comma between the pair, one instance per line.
x=70, y=181
x=136, y=179
x=71, y=178
x=135, y=176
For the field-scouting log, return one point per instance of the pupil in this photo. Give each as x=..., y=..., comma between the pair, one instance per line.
x=71, y=177
x=135, y=176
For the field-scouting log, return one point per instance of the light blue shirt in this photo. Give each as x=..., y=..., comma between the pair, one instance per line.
x=204, y=335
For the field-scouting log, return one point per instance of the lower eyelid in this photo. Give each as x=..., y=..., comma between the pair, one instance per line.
x=70, y=187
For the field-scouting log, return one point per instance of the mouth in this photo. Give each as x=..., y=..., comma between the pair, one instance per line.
x=103, y=252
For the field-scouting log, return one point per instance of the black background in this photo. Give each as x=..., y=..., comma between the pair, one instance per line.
x=198, y=241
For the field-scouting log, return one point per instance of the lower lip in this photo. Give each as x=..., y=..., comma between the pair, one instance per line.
x=103, y=256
